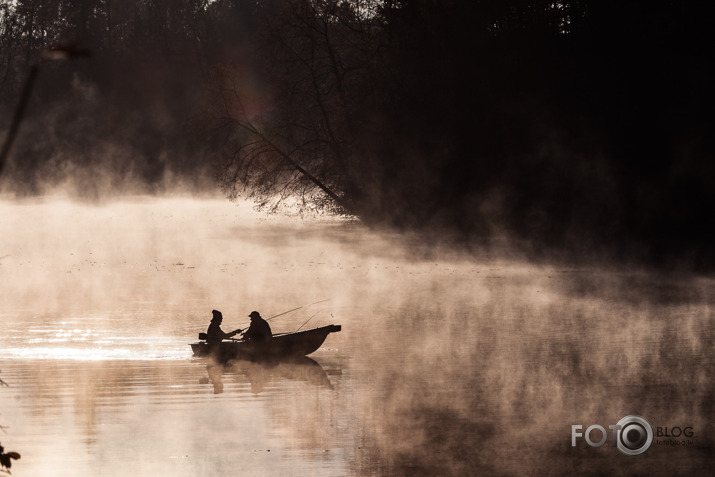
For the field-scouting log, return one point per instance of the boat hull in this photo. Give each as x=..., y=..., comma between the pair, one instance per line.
x=281, y=346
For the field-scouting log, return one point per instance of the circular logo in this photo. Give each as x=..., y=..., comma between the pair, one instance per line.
x=634, y=436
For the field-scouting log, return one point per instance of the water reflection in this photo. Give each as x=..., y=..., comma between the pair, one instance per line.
x=263, y=375
x=178, y=418
x=215, y=371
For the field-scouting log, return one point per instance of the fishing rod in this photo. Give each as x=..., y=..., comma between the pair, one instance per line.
x=294, y=309
x=242, y=330
x=306, y=321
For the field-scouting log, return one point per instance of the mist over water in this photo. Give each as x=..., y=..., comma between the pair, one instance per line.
x=447, y=363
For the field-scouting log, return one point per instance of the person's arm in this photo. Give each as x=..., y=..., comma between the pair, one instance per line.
x=218, y=334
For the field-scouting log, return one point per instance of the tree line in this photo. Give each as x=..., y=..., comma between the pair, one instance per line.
x=581, y=124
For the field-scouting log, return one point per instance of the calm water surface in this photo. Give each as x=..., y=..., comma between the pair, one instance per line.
x=447, y=364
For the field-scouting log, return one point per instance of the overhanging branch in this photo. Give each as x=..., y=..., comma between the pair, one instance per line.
x=288, y=159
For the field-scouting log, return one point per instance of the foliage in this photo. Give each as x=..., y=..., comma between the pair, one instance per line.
x=6, y=458
x=564, y=123
x=559, y=123
x=298, y=142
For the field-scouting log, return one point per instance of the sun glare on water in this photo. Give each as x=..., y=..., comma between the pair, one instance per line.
x=92, y=345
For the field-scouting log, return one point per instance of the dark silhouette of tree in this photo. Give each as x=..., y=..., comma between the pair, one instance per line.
x=563, y=123
x=558, y=123
x=299, y=141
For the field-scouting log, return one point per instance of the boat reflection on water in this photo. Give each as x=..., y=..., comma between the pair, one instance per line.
x=215, y=371
x=261, y=375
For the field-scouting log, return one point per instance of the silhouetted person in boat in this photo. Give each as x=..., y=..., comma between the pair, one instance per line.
x=215, y=334
x=259, y=330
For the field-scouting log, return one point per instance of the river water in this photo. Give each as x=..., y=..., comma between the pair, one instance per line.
x=448, y=363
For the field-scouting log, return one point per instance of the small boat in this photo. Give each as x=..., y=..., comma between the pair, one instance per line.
x=281, y=346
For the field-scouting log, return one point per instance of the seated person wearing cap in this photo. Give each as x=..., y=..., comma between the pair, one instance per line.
x=259, y=330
